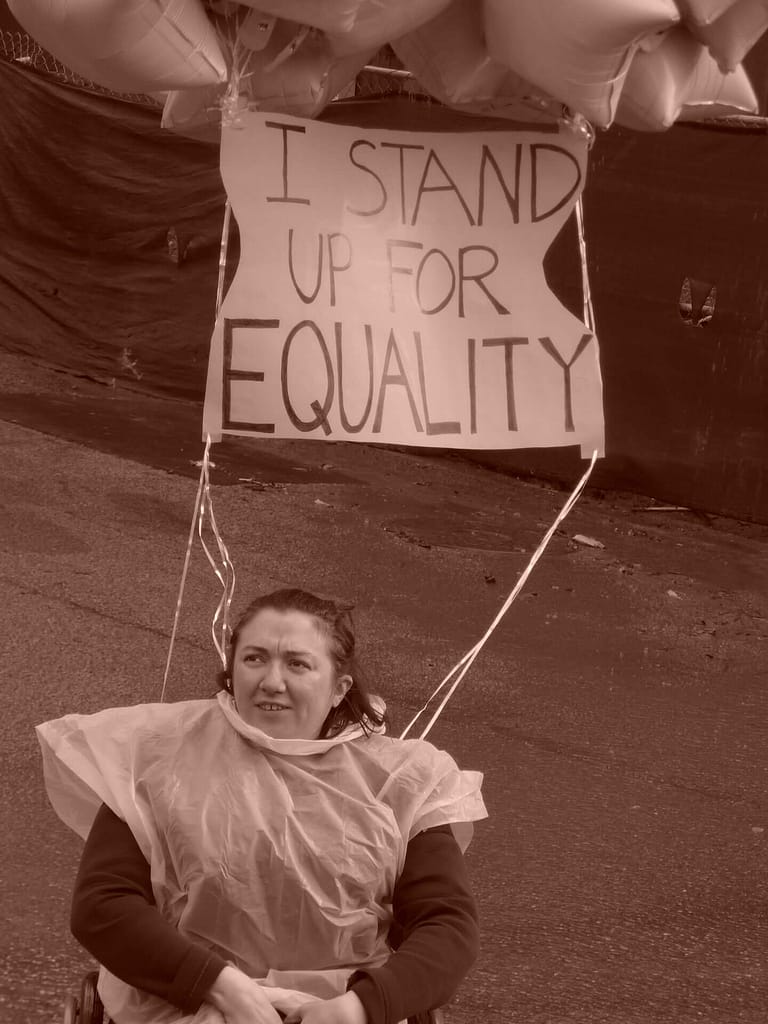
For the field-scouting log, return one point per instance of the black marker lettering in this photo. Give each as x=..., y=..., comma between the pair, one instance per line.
x=362, y=167
x=550, y=349
x=508, y=344
x=445, y=427
x=401, y=146
x=451, y=186
x=332, y=265
x=228, y=375
x=321, y=411
x=513, y=201
x=478, y=278
x=354, y=428
x=449, y=295
x=472, y=376
x=391, y=243
x=388, y=379
x=306, y=297
x=536, y=148
x=285, y=128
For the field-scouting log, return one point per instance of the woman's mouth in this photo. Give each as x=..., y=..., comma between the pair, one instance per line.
x=272, y=707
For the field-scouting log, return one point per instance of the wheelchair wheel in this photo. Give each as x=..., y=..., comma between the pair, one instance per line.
x=91, y=1008
x=71, y=1011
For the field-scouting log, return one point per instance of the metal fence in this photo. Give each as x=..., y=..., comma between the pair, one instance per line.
x=385, y=77
x=19, y=48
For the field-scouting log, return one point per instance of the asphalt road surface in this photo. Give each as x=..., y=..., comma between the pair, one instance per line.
x=619, y=712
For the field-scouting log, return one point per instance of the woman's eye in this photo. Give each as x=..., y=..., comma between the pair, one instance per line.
x=253, y=657
x=299, y=664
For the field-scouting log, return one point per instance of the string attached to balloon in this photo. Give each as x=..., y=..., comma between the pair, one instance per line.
x=460, y=669
x=223, y=249
x=588, y=311
x=225, y=571
x=579, y=124
x=203, y=514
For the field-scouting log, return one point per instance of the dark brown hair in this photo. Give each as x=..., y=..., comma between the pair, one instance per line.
x=335, y=620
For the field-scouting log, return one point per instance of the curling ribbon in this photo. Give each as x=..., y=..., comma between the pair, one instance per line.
x=465, y=663
x=225, y=574
x=463, y=666
x=204, y=508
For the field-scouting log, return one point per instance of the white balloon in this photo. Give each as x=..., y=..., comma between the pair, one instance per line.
x=354, y=25
x=731, y=36
x=128, y=45
x=680, y=80
x=578, y=52
x=703, y=12
x=295, y=72
x=378, y=23
x=328, y=15
x=449, y=58
x=195, y=113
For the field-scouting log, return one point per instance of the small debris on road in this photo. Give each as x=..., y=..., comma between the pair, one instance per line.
x=664, y=508
x=588, y=542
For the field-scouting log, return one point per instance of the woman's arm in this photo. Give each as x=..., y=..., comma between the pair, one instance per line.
x=438, y=936
x=115, y=918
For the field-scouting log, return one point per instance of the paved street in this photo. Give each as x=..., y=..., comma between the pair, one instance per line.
x=619, y=713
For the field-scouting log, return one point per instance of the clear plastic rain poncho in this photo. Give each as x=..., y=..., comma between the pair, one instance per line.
x=280, y=855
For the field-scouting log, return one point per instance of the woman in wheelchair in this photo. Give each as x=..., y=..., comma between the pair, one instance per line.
x=269, y=854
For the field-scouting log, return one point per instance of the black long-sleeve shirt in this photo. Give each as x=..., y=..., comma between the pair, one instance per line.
x=115, y=918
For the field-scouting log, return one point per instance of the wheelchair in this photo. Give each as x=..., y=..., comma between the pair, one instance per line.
x=87, y=1008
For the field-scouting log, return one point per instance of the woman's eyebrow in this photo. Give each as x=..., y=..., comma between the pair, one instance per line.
x=287, y=653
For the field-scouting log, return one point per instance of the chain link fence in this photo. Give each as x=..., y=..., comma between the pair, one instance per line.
x=384, y=77
x=17, y=47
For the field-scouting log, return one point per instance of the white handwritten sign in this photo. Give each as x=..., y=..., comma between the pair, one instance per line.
x=390, y=288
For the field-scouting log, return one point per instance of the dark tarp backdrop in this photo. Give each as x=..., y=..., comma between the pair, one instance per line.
x=90, y=188
x=110, y=257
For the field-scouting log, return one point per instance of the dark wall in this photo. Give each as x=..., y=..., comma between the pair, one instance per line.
x=686, y=406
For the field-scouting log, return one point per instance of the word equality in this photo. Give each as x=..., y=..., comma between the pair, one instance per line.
x=327, y=410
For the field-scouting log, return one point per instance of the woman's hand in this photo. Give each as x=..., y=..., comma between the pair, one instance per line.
x=346, y=1009
x=240, y=999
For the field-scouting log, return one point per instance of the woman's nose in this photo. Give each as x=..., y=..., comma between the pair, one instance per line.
x=272, y=679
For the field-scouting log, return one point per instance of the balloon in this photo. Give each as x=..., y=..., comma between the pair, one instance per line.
x=578, y=53
x=702, y=12
x=680, y=80
x=449, y=58
x=128, y=45
x=708, y=97
x=328, y=15
x=294, y=71
x=731, y=36
x=195, y=113
x=354, y=25
x=377, y=23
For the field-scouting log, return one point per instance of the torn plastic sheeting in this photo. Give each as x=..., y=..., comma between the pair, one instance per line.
x=697, y=302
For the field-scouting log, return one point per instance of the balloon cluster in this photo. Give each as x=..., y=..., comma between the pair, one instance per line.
x=640, y=63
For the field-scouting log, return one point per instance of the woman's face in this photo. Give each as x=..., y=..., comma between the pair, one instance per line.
x=283, y=677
